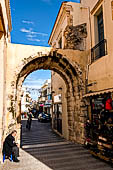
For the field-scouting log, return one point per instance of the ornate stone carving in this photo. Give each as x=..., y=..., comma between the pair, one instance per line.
x=75, y=37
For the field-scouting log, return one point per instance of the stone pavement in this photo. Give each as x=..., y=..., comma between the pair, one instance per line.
x=55, y=152
x=42, y=149
x=27, y=162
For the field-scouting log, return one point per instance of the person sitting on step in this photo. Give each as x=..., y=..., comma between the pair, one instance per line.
x=10, y=147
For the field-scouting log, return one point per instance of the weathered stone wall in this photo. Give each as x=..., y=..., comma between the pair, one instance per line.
x=70, y=64
x=75, y=37
x=77, y=113
x=75, y=34
x=18, y=56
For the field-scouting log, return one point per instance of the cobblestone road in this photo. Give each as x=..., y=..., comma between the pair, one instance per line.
x=55, y=152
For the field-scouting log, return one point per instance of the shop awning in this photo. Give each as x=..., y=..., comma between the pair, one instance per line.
x=105, y=91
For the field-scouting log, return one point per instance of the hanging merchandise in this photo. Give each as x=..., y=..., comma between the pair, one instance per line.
x=99, y=129
x=108, y=104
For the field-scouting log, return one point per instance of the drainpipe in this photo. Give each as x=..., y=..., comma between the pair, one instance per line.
x=90, y=26
x=86, y=82
x=87, y=69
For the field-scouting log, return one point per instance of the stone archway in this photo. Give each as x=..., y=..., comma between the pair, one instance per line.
x=66, y=70
x=72, y=74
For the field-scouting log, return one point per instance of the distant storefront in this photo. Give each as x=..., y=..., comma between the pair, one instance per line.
x=47, y=106
x=41, y=107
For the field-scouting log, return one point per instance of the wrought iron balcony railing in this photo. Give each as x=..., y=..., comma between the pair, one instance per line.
x=99, y=50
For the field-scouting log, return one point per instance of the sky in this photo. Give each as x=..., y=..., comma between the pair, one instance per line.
x=35, y=80
x=33, y=20
x=32, y=23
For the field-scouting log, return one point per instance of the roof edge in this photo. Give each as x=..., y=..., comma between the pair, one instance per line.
x=64, y=2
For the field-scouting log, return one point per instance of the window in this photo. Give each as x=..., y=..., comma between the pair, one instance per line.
x=100, y=48
x=100, y=26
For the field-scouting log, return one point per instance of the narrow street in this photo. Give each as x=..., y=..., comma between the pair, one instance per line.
x=55, y=152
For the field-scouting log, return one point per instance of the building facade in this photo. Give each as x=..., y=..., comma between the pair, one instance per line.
x=100, y=65
x=96, y=17
x=26, y=101
x=99, y=86
x=44, y=99
x=5, y=29
x=70, y=32
x=80, y=58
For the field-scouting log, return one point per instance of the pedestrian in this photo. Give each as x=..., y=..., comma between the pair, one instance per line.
x=28, y=125
x=10, y=147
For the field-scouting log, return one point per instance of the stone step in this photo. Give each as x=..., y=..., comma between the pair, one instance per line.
x=78, y=164
x=55, y=147
x=63, y=158
x=55, y=153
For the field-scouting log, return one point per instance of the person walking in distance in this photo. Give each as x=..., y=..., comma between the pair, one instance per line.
x=29, y=121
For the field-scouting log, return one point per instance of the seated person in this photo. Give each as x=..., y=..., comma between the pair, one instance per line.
x=11, y=147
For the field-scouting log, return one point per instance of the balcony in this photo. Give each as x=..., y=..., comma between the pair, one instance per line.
x=99, y=50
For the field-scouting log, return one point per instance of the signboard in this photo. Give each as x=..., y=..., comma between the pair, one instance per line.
x=57, y=98
x=48, y=102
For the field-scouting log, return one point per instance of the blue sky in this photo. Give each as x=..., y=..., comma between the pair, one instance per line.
x=35, y=80
x=32, y=23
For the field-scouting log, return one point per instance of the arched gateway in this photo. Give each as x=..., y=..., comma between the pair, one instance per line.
x=24, y=59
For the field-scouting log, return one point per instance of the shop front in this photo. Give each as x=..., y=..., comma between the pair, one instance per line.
x=47, y=106
x=99, y=124
x=41, y=106
x=57, y=113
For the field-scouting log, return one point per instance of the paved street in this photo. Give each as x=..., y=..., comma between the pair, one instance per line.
x=55, y=152
x=44, y=150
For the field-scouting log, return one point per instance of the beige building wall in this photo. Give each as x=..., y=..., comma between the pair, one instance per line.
x=58, y=82
x=101, y=71
x=89, y=3
x=1, y=88
x=5, y=28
